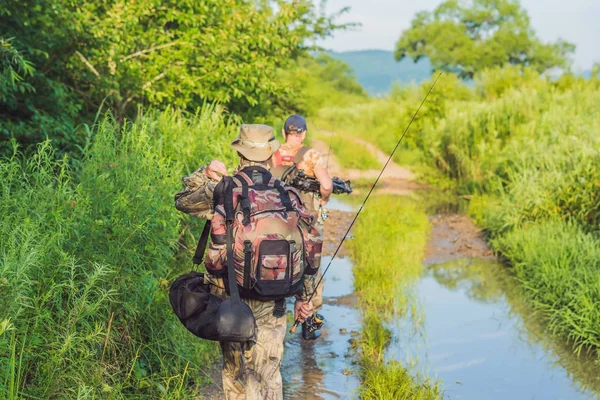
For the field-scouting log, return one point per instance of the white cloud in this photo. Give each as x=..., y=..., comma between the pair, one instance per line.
x=384, y=20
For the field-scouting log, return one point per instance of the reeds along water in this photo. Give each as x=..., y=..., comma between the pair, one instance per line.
x=391, y=231
x=86, y=257
x=526, y=150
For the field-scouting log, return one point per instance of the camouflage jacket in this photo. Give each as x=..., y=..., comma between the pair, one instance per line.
x=197, y=199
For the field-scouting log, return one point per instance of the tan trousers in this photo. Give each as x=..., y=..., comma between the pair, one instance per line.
x=317, y=299
x=251, y=371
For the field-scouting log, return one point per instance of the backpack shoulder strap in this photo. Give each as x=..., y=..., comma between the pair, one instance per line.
x=300, y=154
x=244, y=202
x=284, y=195
x=231, y=275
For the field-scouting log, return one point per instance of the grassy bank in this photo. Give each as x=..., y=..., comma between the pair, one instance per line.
x=525, y=150
x=86, y=258
x=391, y=235
x=348, y=152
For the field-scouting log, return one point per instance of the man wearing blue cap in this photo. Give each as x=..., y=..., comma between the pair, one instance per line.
x=312, y=163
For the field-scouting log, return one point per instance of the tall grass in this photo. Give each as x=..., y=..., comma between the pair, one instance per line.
x=390, y=239
x=86, y=257
x=531, y=156
x=558, y=264
x=349, y=152
x=527, y=150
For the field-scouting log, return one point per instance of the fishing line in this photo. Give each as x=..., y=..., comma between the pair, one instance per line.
x=329, y=151
x=369, y=194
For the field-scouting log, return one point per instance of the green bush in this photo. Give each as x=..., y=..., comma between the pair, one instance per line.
x=86, y=258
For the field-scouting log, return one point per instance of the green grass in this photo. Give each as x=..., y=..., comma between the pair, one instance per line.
x=558, y=264
x=86, y=257
x=526, y=150
x=350, y=153
x=391, y=235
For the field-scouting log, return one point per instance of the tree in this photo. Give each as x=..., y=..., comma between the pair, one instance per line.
x=123, y=54
x=467, y=37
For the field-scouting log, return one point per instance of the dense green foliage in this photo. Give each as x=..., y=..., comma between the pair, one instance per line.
x=74, y=57
x=526, y=150
x=384, y=271
x=86, y=259
x=469, y=37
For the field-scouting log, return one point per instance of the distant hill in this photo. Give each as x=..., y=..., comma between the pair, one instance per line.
x=376, y=70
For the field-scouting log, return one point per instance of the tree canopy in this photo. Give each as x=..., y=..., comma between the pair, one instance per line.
x=67, y=58
x=467, y=37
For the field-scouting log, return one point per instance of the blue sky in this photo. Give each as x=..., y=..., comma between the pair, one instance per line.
x=577, y=21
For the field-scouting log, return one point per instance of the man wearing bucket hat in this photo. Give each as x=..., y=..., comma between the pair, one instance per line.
x=250, y=369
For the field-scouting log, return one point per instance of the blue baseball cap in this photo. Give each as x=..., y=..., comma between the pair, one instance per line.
x=295, y=124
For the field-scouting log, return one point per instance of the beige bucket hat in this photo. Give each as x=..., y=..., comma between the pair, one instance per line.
x=256, y=142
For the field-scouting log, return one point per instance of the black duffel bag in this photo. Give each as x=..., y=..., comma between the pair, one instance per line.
x=195, y=306
x=205, y=314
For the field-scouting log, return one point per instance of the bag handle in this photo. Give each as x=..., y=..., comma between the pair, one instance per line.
x=202, y=242
x=231, y=275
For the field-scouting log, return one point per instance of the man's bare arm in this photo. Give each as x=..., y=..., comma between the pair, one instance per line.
x=325, y=181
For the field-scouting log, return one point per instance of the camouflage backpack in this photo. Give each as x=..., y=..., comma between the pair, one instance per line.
x=274, y=242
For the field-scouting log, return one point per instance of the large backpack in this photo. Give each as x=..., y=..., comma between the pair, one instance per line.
x=270, y=234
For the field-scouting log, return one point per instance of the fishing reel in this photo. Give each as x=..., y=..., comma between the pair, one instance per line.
x=324, y=213
x=312, y=324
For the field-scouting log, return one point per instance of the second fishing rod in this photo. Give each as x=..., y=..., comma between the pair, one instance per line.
x=317, y=319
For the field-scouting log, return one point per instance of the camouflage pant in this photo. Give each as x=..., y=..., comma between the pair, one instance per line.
x=251, y=371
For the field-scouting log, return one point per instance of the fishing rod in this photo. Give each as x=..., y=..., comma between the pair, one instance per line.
x=329, y=151
x=296, y=322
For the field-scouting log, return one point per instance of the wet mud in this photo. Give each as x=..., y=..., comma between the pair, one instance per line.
x=455, y=236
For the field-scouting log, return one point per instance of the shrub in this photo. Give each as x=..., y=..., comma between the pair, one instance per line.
x=86, y=258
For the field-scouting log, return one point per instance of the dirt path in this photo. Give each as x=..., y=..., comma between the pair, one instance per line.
x=455, y=236
x=392, y=172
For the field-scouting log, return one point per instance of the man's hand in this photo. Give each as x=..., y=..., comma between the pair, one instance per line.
x=215, y=170
x=302, y=310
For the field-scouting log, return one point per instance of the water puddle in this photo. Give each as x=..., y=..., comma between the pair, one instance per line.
x=475, y=333
x=323, y=369
x=478, y=339
x=469, y=329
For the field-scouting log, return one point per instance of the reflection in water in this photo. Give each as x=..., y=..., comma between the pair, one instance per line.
x=483, y=341
x=468, y=327
x=323, y=369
